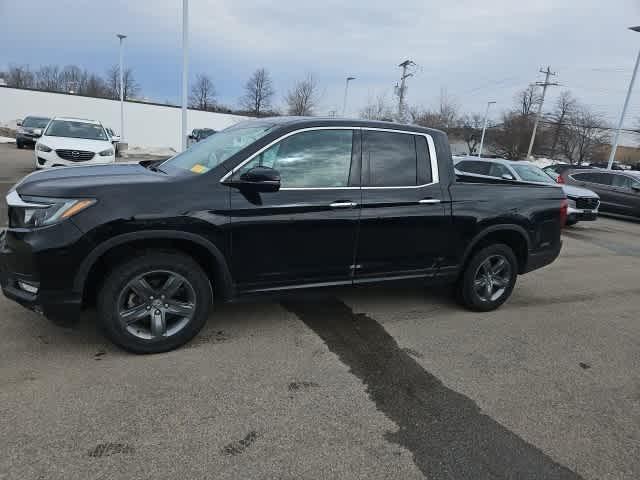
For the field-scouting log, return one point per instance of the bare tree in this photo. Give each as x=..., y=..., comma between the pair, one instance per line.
x=258, y=92
x=203, y=93
x=303, y=98
x=582, y=136
x=511, y=138
x=72, y=79
x=565, y=106
x=527, y=99
x=20, y=76
x=377, y=109
x=471, y=130
x=47, y=78
x=112, y=80
x=447, y=110
x=95, y=87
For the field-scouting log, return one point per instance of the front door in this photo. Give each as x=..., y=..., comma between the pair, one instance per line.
x=304, y=233
x=404, y=228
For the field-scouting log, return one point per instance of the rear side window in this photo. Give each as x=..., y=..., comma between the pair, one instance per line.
x=599, y=178
x=391, y=158
x=470, y=166
x=621, y=181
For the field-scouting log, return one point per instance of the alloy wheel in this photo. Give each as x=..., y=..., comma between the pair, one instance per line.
x=492, y=278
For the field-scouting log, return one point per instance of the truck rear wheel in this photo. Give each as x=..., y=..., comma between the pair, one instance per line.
x=488, y=278
x=155, y=302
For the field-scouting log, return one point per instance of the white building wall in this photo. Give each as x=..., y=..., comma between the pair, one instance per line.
x=144, y=125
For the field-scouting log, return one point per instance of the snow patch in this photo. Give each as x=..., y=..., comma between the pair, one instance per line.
x=137, y=150
x=7, y=140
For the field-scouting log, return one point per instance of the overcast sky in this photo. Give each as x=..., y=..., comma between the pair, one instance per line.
x=477, y=50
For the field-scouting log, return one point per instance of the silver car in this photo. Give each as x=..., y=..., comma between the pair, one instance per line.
x=583, y=203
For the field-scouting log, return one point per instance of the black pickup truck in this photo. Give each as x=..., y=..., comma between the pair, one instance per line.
x=266, y=206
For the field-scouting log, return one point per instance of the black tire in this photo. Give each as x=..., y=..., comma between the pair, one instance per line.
x=571, y=222
x=466, y=291
x=118, y=280
x=20, y=145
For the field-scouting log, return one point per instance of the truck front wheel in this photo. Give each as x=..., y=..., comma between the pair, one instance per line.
x=155, y=302
x=488, y=278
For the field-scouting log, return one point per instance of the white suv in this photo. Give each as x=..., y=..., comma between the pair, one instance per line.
x=73, y=141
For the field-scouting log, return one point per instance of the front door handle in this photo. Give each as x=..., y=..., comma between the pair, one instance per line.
x=343, y=204
x=429, y=201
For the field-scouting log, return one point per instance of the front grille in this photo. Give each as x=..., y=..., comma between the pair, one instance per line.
x=75, y=155
x=587, y=203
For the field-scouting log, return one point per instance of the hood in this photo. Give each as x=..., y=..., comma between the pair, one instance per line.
x=85, y=144
x=571, y=191
x=87, y=181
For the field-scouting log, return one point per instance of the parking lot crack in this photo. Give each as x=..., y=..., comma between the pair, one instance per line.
x=446, y=432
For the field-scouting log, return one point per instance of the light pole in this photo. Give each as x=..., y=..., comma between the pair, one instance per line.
x=612, y=156
x=121, y=37
x=185, y=70
x=484, y=128
x=346, y=90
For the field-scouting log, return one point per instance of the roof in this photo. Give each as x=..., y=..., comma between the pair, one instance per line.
x=82, y=120
x=304, y=122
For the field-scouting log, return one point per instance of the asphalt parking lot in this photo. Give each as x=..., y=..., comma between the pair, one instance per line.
x=377, y=383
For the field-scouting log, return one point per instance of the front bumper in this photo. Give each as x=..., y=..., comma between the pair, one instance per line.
x=581, y=214
x=51, y=159
x=25, y=138
x=27, y=264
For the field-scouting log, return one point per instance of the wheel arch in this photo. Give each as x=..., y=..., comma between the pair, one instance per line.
x=514, y=236
x=204, y=252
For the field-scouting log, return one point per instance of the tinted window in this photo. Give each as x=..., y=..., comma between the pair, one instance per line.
x=35, y=122
x=599, y=178
x=391, y=158
x=318, y=158
x=498, y=170
x=477, y=167
x=621, y=181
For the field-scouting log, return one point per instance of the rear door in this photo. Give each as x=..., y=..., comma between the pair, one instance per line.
x=599, y=182
x=305, y=233
x=624, y=197
x=403, y=224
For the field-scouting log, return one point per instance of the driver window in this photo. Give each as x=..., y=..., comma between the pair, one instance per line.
x=313, y=159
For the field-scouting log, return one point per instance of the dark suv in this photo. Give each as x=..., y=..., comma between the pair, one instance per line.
x=619, y=191
x=262, y=207
x=29, y=130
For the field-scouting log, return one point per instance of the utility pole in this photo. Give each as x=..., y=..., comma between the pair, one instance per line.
x=484, y=128
x=121, y=37
x=185, y=71
x=401, y=90
x=614, y=148
x=544, y=86
x=346, y=90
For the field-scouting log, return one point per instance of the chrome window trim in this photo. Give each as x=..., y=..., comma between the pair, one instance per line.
x=435, y=176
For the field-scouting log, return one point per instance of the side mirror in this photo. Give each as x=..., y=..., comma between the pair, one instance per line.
x=507, y=176
x=258, y=179
x=115, y=138
x=19, y=123
x=37, y=132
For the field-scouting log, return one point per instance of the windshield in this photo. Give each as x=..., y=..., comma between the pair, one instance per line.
x=35, y=122
x=531, y=173
x=72, y=129
x=209, y=153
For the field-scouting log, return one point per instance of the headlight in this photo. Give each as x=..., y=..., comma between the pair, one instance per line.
x=43, y=148
x=106, y=153
x=21, y=130
x=32, y=212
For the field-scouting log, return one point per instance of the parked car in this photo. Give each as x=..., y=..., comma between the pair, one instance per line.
x=265, y=206
x=73, y=141
x=115, y=140
x=29, y=130
x=619, y=190
x=558, y=169
x=199, y=134
x=583, y=203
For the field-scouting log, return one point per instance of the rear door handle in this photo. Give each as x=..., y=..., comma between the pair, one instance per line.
x=429, y=201
x=343, y=204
